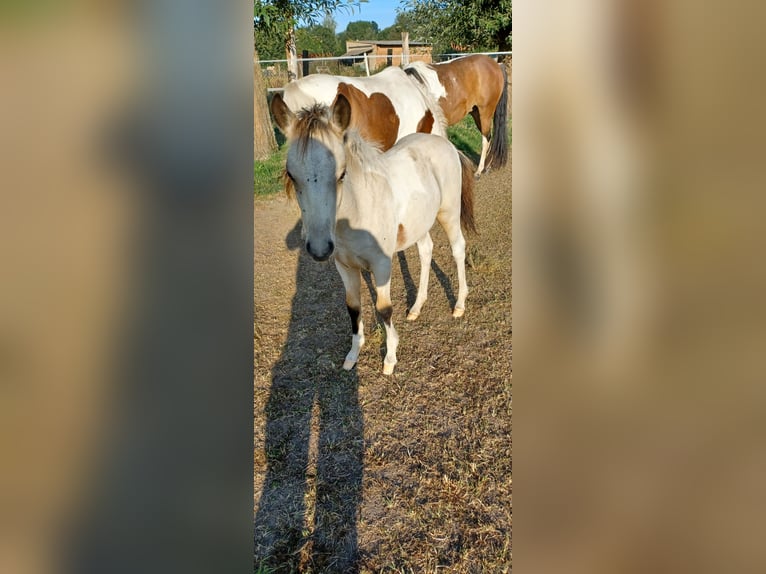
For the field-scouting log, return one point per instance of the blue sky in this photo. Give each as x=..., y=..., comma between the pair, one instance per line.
x=381, y=11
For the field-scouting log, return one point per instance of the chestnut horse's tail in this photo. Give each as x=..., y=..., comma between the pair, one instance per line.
x=498, y=148
x=466, y=195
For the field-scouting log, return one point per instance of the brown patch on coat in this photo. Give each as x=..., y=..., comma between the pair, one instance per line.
x=374, y=116
x=401, y=237
x=426, y=123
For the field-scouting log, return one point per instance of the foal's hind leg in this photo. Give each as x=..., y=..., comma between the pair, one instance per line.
x=425, y=251
x=451, y=225
x=352, y=281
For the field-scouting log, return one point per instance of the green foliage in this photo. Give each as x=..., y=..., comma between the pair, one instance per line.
x=404, y=23
x=362, y=30
x=318, y=40
x=276, y=15
x=270, y=45
x=462, y=25
x=275, y=18
x=329, y=22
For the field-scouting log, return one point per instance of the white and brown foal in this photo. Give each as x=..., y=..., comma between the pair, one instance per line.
x=363, y=205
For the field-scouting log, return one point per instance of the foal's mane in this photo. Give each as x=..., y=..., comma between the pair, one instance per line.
x=316, y=123
x=310, y=123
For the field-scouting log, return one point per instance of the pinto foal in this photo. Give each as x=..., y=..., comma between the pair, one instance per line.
x=363, y=205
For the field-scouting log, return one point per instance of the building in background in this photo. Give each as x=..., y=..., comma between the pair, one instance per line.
x=383, y=53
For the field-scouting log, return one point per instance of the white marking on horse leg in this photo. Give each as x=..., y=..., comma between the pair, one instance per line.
x=392, y=337
x=457, y=242
x=382, y=272
x=357, y=341
x=352, y=281
x=484, y=150
x=425, y=251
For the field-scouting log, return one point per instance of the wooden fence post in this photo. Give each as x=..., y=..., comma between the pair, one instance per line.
x=405, y=48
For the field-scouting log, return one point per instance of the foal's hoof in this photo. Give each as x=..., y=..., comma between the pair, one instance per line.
x=388, y=368
x=348, y=365
x=457, y=313
x=412, y=316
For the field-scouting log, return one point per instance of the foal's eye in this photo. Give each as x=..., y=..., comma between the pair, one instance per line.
x=342, y=176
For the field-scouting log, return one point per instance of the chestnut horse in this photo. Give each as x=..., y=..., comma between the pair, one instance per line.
x=363, y=205
x=475, y=85
x=385, y=107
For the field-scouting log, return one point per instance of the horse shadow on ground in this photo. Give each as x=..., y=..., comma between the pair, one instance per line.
x=309, y=504
x=411, y=287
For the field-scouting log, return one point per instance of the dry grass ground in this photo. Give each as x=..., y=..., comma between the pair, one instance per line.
x=358, y=472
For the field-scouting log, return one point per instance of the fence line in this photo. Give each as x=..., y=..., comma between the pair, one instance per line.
x=372, y=56
x=458, y=54
x=276, y=75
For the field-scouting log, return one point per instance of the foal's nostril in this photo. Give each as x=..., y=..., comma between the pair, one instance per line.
x=320, y=256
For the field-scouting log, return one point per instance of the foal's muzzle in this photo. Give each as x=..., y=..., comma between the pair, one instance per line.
x=318, y=254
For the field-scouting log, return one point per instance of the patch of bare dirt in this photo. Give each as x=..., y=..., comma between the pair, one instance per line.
x=358, y=472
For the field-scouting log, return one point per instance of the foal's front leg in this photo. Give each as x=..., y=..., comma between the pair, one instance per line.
x=382, y=272
x=352, y=281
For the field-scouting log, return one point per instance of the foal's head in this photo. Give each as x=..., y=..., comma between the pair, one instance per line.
x=316, y=166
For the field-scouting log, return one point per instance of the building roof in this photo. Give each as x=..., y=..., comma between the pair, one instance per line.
x=357, y=51
x=392, y=42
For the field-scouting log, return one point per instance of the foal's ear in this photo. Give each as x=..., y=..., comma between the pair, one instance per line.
x=341, y=112
x=282, y=114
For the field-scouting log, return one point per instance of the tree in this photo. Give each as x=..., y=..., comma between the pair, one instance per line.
x=270, y=45
x=264, y=143
x=277, y=19
x=362, y=30
x=329, y=22
x=451, y=25
x=280, y=17
x=317, y=39
x=403, y=23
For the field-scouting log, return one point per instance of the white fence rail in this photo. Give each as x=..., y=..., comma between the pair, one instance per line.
x=276, y=75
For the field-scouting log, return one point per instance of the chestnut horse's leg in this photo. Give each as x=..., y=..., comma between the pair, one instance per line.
x=425, y=250
x=381, y=270
x=352, y=281
x=484, y=150
x=483, y=120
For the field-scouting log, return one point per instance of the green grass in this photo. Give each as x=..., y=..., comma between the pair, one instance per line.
x=466, y=137
x=267, y=174
x=264, y=569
